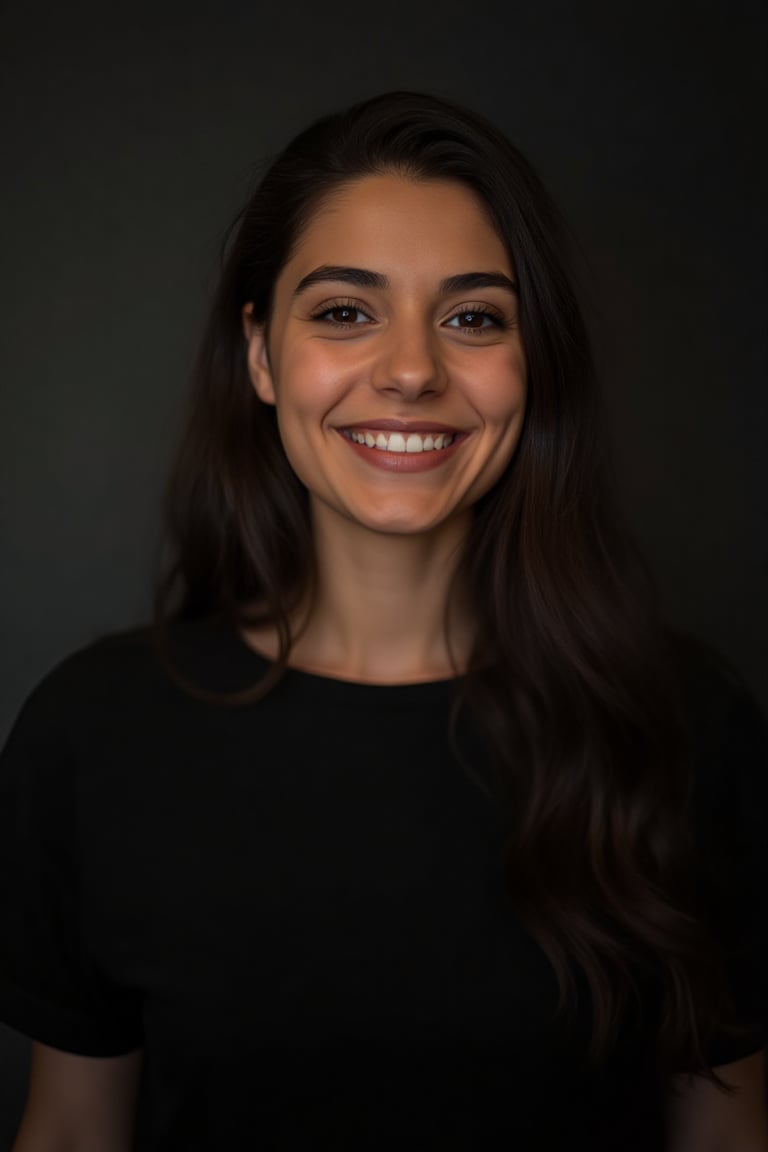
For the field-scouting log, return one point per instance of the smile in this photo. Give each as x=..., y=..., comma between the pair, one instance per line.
x=412, y=442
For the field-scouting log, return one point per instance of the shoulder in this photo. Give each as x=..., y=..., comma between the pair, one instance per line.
x=728, y=824
x=728, y=747
x=708, y=678
x=91, y=675
x=723, y=721
x=113, y=654
x=727, y=743
x=111, y=678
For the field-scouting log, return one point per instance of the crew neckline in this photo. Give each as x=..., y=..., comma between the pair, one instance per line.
x=250, y=665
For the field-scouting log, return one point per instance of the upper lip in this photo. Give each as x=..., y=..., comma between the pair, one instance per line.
x=401, y=426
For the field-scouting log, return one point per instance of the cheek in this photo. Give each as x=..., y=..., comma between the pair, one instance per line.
x=500, y=395
x=306, y=388
x=310, y=382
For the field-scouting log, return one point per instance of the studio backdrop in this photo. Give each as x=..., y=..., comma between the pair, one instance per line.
x=129, y=141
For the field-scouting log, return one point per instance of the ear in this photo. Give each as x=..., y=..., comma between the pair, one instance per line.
x=258, y=360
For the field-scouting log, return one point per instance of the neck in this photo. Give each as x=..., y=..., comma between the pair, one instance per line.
x=378, y=612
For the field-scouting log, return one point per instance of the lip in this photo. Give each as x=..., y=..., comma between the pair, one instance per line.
x=401, y=426
x=403, y=462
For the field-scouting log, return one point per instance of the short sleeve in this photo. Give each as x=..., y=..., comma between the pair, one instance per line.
x=730, y=826
x=48, y=989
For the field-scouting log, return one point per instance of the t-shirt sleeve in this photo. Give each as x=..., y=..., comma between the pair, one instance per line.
x=730, y=825
x=49, y=989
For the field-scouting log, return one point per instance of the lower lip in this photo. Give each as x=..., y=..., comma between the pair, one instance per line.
x=405, y=461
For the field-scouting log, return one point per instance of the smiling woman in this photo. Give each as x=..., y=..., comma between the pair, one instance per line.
x=412, y=355
x=408, y=815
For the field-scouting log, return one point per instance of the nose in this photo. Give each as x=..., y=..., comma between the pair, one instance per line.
x=409, y=363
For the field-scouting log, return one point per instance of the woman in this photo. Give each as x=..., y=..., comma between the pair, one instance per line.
x=408, y=823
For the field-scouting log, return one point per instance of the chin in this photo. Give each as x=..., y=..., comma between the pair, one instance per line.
x=401, y=522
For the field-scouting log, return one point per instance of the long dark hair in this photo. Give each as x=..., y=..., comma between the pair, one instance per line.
x=570, y=679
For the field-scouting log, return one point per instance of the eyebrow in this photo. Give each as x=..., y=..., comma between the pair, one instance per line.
x=363, y=278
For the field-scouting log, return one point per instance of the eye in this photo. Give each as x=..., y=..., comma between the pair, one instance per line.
x=479, y=319
x=342, y=314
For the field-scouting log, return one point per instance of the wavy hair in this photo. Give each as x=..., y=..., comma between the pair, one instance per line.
x=571, y=677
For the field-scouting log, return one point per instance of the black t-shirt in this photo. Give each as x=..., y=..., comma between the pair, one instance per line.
x=296, y=907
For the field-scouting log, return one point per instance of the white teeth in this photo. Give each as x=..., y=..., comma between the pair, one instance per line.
x=395, y=442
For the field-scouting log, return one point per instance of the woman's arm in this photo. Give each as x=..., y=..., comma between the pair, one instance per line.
x=79, y=1103
x=704, y=1119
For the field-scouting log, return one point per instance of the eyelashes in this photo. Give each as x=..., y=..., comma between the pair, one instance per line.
x=346, y=314
x=488, y=319
x=340, y=313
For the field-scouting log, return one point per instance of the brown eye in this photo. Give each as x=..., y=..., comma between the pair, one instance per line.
x=473, y=321
x=343, y=315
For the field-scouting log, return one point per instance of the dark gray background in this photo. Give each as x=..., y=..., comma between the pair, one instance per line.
x=128, y=141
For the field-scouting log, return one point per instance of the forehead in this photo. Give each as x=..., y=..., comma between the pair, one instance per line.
x=401, y=227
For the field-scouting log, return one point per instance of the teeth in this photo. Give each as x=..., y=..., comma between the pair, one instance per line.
x=396, y=442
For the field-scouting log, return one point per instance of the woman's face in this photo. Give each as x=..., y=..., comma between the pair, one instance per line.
x=394, y=356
